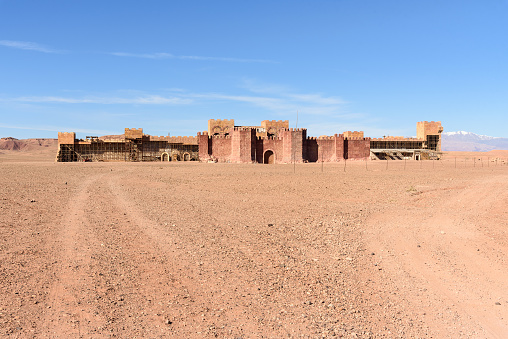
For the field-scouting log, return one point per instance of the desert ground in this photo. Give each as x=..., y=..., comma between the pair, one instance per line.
x=376, y=249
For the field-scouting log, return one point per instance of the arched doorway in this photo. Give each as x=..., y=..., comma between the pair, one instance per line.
x=186, y=157
x=164, y=157
x=269, y=157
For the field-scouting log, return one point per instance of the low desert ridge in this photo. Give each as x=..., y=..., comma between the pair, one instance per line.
x=366, y=249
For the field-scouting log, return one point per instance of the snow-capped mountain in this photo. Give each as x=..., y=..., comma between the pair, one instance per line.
x=471, y=142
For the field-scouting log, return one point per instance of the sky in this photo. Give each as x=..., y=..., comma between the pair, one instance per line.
x=95, y=67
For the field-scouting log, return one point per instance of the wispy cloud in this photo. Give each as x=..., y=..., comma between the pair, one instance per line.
x=32, y=46
x=287, y=103
x=187, y=57
x=141, y=100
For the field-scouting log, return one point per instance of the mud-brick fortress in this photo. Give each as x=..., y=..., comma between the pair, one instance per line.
x=275, y=142
x=271, y=142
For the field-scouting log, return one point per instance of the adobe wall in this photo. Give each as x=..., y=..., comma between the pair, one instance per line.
x=354, y=134
x=293, y=144
x=272, y=127
x=269, y=144
x=326, y=149
x=204, y=146
x=357, y=148
x=220, y=126
x=243, y=141
x=66, y=138
x=311, y=149
x=133, y=133
x=330, y=148
x=340, y=148
x=424, y=128
x=186, y=140
x=221, y=148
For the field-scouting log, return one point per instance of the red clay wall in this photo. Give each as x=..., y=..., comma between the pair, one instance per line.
x=326, y=150
x=242, y=145
x=273, y=144
x=204, y=146
x=221, y=148
x=357, y=148
x=339, y=147
x=310, y=149
x=293, y=149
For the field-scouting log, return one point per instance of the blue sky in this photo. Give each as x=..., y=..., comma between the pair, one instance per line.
x=96, y=67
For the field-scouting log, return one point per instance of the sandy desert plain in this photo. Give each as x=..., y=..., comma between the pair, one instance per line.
x=189, y=250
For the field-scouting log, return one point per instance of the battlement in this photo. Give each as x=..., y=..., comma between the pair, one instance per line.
x=219, y=137
x=218, y=126
x=295, y=129
x=176, y=139
x=232, y=121
x=354, y=134
x=357, y=138
x=269, y=138
x=133, y=133
x=243, y=128
x=273, y=122
x=326, y=137
x=66, y=138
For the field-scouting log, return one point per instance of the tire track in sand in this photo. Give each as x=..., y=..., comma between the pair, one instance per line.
x=191, y=293
x=68, y=310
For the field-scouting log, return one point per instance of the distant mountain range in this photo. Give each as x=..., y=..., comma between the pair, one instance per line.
x=471, y=142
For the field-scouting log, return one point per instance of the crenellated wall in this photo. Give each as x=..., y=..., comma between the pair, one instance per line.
x=356, y=148
x=66, y=138
x=243, y=145
x=220, y=126
x=187, y=140
x=225, y=142
x=269, y=144
x=133, y=133
x=272, y=127
x=353, y=134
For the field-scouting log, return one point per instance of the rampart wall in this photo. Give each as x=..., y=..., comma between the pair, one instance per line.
x=186, y=140
x=269, y=144
x=353, y=134
x=357, y=148
x=220, y=126
x=66, y=138
x=424, y=128
x=133, y=133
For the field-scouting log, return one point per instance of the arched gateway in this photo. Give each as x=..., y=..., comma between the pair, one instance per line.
x=269, y=157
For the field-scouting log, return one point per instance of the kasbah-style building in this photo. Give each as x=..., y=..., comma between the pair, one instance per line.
x=270, y=143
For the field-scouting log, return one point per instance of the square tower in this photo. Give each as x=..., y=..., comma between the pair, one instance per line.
x=430, y=133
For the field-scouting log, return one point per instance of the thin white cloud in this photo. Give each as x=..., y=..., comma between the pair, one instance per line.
x=26, y=45
x=187, y=57
x=141, y=100
x=313, y=104
x=283, y=92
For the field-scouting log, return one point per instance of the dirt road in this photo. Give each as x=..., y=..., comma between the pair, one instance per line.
x=204, y=250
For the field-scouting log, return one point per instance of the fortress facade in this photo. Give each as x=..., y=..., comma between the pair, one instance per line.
x=271, y=142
